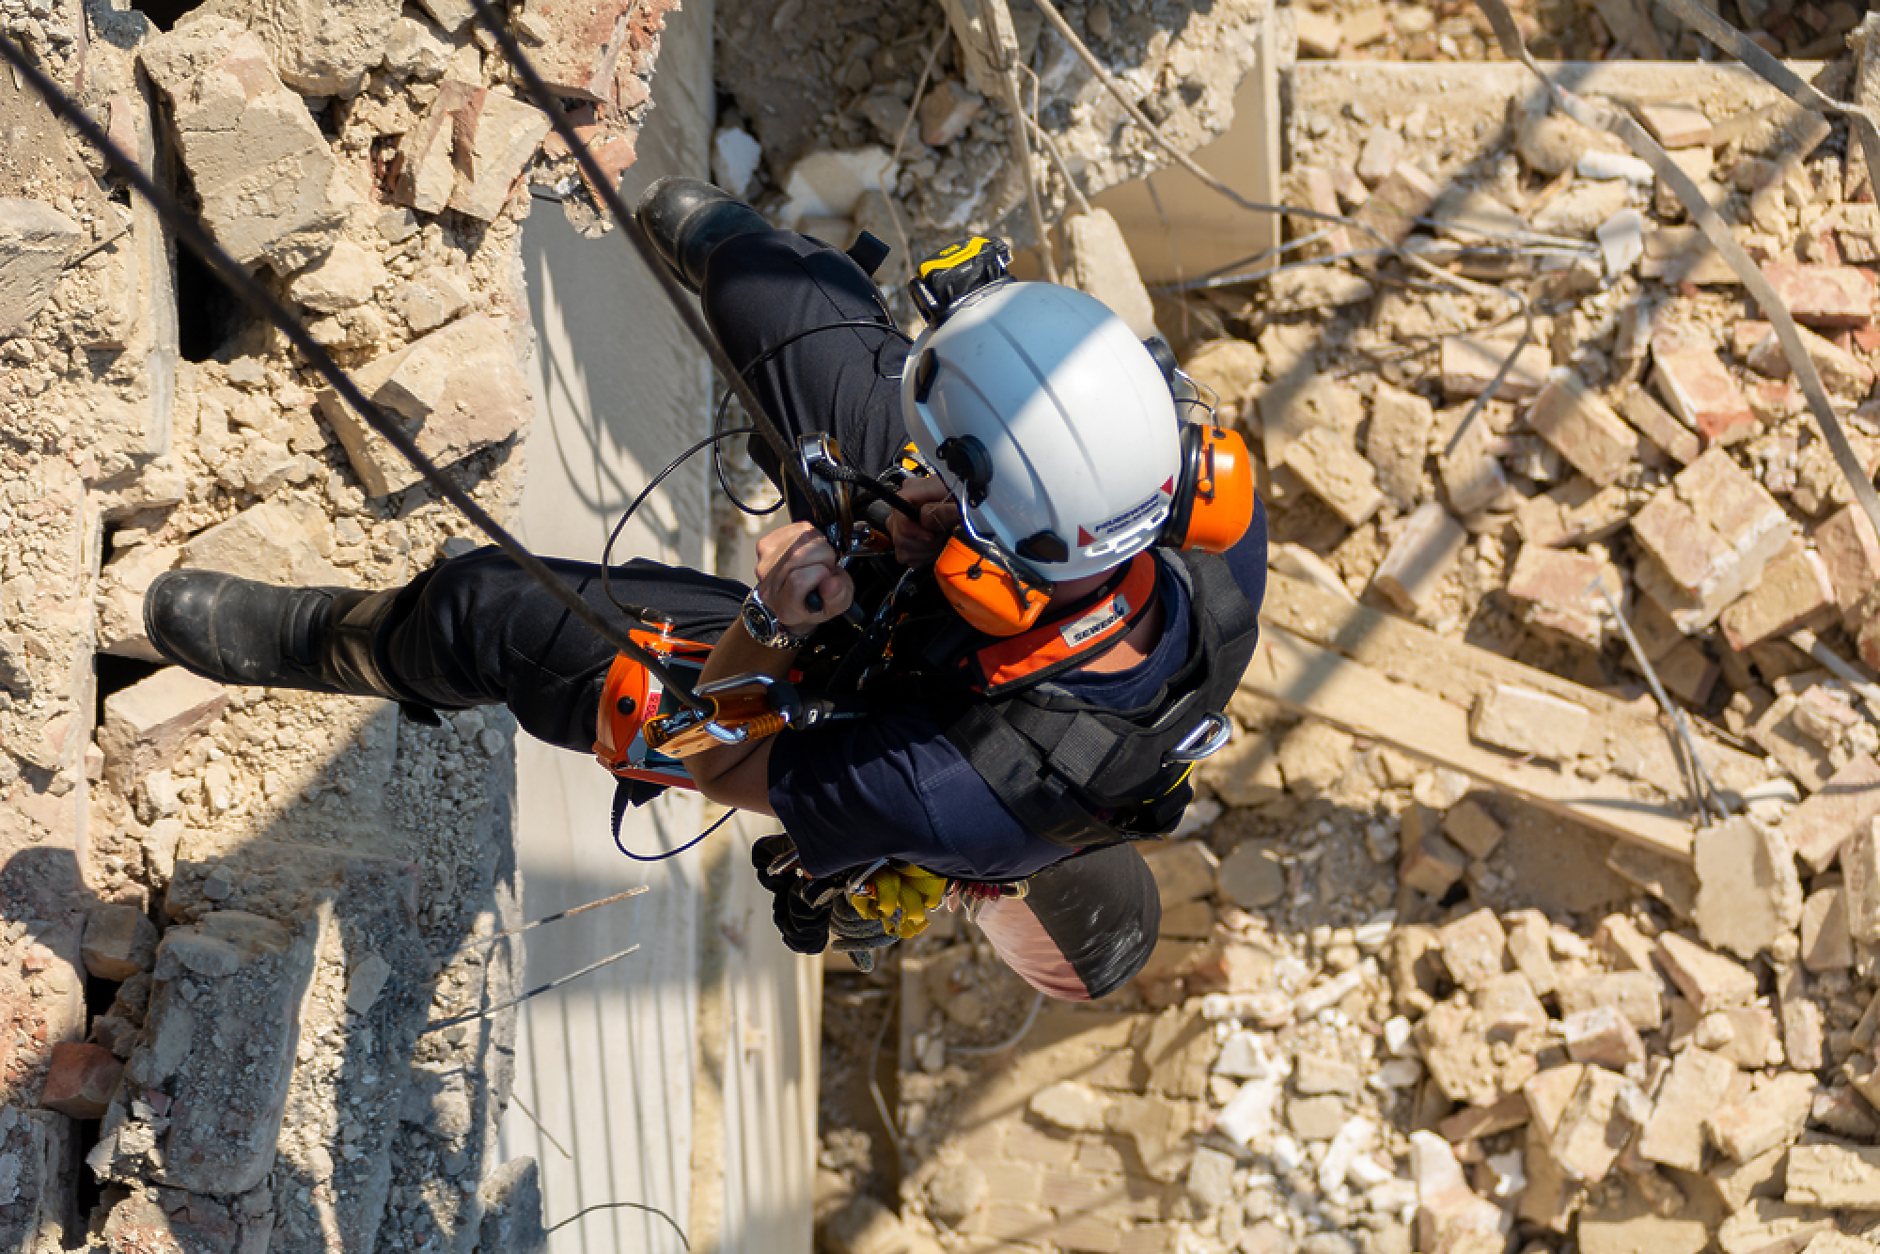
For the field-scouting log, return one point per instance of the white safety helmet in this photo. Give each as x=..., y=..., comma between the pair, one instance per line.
x=1050, y=422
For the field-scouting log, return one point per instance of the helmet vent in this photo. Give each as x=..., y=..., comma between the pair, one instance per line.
x=1044, y=546
x=966, y=459
x=924, y=372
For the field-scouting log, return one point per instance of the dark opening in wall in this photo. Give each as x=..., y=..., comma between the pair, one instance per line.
x=115, y=674
x=164, y=13
x=208, y=312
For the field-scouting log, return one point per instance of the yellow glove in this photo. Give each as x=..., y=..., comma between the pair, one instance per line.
x=899, y=898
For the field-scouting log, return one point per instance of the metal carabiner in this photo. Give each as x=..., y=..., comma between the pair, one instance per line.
x=1209, y=737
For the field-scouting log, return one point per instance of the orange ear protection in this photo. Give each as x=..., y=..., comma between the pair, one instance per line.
x=1214, y=499
x=986, y=590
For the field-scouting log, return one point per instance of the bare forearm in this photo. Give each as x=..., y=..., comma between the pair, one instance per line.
x=738, y=775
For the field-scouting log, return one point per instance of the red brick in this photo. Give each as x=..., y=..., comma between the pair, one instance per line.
x=81, y=1080
x=1848, y=546
x=1823, y=296
x=1709, y=532
x=1840, y=370
x=1700, y=391
x=1794, y=591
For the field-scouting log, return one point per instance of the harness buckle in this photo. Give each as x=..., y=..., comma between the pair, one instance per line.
x=1209, y=737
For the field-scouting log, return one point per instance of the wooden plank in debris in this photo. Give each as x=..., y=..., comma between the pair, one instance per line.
x=1323, y=684
x=1621, y=738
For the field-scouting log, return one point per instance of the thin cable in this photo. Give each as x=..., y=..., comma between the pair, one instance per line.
x=259, y=298
x=1010, y=1042
x=718, y=468
x=874, y=1085
x=661, y=857
x=588, y=1210
x=548, y=1136
x=557, y=982
x=556, y=917
x=607, y=551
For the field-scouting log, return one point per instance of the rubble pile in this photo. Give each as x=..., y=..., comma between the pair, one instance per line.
x=1446, y=983
x=228, y=915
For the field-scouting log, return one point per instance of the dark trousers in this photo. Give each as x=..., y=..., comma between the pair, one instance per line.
x=477, y=630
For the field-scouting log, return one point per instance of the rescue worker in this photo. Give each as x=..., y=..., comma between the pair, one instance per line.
x=1061, y=659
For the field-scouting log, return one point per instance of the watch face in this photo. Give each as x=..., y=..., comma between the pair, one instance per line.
x=759, y=622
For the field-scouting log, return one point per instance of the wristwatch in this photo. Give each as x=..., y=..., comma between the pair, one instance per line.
x=762, y=624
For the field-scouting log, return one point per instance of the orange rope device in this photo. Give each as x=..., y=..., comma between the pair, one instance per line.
x=630, y=699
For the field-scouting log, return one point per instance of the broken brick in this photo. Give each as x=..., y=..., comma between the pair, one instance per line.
x=1850, y=799
x=1524, y=721
x=1709, y=534
x=1656, y=425
x=1795, y=590
x=1851, y=553
x=1821, y=295
x=1561, y=590
x=1698, y=1082
x=1469, y=365
x=1772, y=1115
x=1474, y=948
x=1709, y=981
x=1602, y=1037
x=1420, y=558
x=1583, y=429
x=1332, y=470
x=81, y=1080
x=1749, y=894
x=1394, y=207
x=1860, y=879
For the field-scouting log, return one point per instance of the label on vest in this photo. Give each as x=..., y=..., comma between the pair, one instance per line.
x=1079, y=632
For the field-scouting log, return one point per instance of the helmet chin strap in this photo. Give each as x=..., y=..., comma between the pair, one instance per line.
x=1014, y=569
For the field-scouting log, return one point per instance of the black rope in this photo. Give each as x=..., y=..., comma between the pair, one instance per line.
x=244, y=284
x=607, y=553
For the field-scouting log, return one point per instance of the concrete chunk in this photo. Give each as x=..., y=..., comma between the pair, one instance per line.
x=220, y=1041
x=35, y=240
x=1823, y=822
x=1398, y=442
x=120, y=941
x=319, y=47
x=1749, y=895
x=1638, y=995
x=496, y=137
x=264, y=542
x=1860, y=872
x=458, y=390
x=1474, y=948
x=1332, y=470
x=263, y=171
x=1524, y=721
x=1592, y=1127
x=149, y=724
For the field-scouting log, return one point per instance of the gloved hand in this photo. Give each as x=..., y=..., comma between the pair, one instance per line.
x=802, y=923
x=900, y=897
x=857, y=936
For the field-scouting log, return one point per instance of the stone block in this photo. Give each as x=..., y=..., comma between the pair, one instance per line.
x=81, y=1080
x=1708, y=980
x=266, y=179
x=496, y=136
x=1525, y=721
x=1593, y=1127
x=120, y=941
x=347, y=276
x=1474, y=829
x=1420, y=557
x=1851, y=553
x=1184, y=871
x=1394, y=207
x=425, y=173
x=35, y=240
x=319, y=47
x=1772, y=1115
x=1827, y=945
x=1638, y=995
x=1749, y=894
x=219, y=1043
x=1698, y=1082
x=264, y=542
x=1474, y=948
x=1560, y=592
x=1795, y=591
x=149, y=724
x=1823, y=295
x=1506, y=1007
x=1398, y=442
x=433, y=297
x=1659, y=427
x=1860, y=877
x=1710, y=533
x=1839, y=1177
x=1431, y=865
x=1331, y=469
x=1700, y=390
x=456, y=391
x=1583, y=429
x=1575, y=513
x=1676, y=125
x=1469, y=364
x=1471, y=474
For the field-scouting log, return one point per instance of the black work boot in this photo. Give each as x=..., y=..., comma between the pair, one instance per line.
x=687, y=218
x=237, y=631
